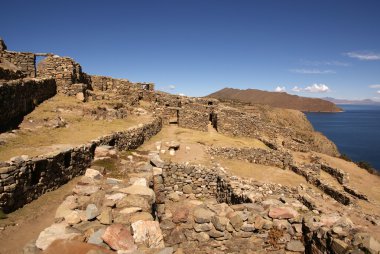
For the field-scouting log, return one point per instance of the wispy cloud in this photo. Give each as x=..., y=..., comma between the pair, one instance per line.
x=375, y=86
x=312, y=71
x=378, y=91
x=172, y=87
x=280, y=89
x=314, y=88
x=364, y=56
x=327, y=63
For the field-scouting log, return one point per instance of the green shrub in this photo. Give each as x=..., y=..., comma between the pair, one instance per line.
x=345, y=157
x=367, y=166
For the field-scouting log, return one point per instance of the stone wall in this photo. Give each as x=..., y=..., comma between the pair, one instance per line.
x=313, y=177
x=192, y=181
x=341, y=176
x=248, y=216
x=64, y=70
x=24, y=61
x=119, y=89
x=20, y=97
x=23, y=179
x=253, y=155
x=193, y=119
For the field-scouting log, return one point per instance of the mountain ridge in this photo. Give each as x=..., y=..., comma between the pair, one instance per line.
x=276, y=99
x=354, y=102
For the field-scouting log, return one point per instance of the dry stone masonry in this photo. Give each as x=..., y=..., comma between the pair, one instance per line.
x=23, y=179
x=20, y=97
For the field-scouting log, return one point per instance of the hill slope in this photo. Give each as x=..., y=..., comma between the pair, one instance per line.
x=274, y=99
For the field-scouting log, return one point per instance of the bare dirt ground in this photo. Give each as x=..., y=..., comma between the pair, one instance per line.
x=25, y=224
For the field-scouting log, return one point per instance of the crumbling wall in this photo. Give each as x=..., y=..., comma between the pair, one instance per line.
x=254, y=155
x=23, y=180
x=341, y=176
x=64, y=70
x=24, y=61
x=20, y=97
x=193, y=119
x=313, y=177
x=119, y=89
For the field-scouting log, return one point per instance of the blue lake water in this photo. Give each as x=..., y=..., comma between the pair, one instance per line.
x=356, y=131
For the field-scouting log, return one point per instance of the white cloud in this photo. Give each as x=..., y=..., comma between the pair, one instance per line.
x=314, y=88
x=172, y=87
x=328, y=63
x=378, y=91
x=365, y=56
x=280, y=89
x=312, y=71
x=374, y=86
x=317, y=88
x=296, y=89
x=181, y=94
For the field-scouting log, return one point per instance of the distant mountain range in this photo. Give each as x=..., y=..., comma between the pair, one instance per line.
x=355, y=102
x=276, y=99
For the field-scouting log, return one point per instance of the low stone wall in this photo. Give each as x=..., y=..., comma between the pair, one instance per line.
x=132, y=138
x=20, y=97
x=192, y=181
x=25, y=61
x=354, y=192
x=253, y=155
x=23, y=179
x=312, y=176
x=341, y=176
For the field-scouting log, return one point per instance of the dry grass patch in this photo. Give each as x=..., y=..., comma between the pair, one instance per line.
x=261, y=173
x=34, y=138
x=211, y=138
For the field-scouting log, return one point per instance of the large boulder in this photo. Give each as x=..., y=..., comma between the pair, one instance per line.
x=202, y=215
x=282, y=213
x=55, y=232
x=118, y=237
x=148, y=233
x=140, y=191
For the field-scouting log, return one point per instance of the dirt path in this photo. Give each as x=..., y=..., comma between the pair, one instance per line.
x=25, y=224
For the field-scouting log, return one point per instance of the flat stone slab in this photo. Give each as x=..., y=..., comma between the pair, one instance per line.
x=139, y=190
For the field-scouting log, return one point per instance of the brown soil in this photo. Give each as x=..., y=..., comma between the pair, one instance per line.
x=25, y=224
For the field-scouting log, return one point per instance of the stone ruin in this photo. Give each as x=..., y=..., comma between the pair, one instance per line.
x=182, y=208
x=168, y=207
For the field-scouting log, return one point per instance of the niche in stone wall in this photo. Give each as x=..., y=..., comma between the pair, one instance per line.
x=213, y=118
x=36, y=171
x=174, y=116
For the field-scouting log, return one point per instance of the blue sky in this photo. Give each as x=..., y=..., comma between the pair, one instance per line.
x=310, y=48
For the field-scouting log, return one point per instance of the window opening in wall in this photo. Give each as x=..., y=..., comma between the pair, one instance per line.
x=38, y=59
